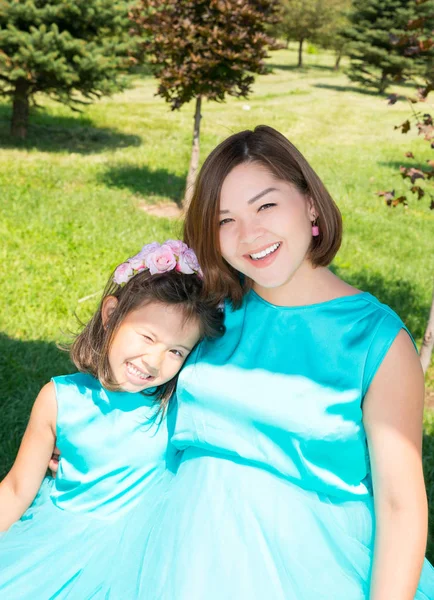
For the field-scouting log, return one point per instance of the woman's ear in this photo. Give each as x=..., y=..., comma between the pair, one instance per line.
x=313, y=215
x=108, y=306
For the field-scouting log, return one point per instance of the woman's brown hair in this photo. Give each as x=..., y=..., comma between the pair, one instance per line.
x=90, y=349
x=269, y=148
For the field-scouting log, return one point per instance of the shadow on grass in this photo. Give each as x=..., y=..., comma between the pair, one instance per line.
x=77, y=134
x=405, y=162
x=304, y=68
x=146, y=183
x=24, y=368
x=350, y=88
x=399, y=294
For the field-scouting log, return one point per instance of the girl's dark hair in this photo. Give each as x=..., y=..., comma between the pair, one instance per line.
x=90, y=349
x=267, y=147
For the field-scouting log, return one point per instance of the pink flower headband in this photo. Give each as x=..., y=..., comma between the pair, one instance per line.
x=159, y=258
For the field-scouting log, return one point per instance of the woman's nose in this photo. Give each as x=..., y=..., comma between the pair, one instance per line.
x=249, y=231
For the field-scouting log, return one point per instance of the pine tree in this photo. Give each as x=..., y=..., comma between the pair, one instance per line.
x=71, y=50
x=204, y=49
x=375, y=60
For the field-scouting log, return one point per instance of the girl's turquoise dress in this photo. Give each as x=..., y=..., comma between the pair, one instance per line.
x=273, y=496
x=114, y=453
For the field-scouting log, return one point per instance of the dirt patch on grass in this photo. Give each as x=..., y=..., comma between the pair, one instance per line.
x=429, y=399
x=168, y=210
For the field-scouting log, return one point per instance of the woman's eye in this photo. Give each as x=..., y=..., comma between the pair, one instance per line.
x=224, y=221
x=265, y=206
x=177, y=353
x=147, y=338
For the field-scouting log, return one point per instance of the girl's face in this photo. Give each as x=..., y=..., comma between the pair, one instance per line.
x=265, y=226
x=150, y=345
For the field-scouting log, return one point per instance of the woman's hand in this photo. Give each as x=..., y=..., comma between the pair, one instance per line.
x=53, y=464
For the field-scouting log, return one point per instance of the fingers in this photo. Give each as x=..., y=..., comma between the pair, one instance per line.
x=53, y=464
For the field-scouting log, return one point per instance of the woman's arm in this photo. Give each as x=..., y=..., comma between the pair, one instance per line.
x=20, y=486
x=392, y=414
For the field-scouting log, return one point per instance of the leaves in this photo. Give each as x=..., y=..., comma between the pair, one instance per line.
x=390, y=200
x=206, y=48
x=404, y=127
x=64, y=48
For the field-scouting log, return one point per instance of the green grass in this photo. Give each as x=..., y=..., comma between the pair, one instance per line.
x=71, y=195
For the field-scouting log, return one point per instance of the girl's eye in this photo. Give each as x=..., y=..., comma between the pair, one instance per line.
x=177, y=353
x=147, y=338
x=266, y=206
x=224, y=221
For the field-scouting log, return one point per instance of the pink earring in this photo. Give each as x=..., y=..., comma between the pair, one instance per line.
x=315, y=228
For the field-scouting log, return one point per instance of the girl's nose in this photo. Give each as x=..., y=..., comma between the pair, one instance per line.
x=152, y=362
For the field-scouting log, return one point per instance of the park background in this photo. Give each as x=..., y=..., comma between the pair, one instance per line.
x=85, y=190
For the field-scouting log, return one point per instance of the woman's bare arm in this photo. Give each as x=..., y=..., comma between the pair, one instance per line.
x=392, y=413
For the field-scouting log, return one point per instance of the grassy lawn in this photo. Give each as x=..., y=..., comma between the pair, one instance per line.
x=71, y=197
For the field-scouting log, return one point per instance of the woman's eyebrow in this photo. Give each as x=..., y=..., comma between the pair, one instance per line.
x=252, y=200
x=258, y=196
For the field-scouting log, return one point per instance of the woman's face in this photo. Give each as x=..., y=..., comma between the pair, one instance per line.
x=265, y=226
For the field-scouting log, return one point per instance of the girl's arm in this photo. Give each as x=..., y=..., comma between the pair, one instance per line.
x=20, y=486
x=392, y=414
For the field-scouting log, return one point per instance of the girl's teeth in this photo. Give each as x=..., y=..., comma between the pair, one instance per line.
x=134, y=371
x=265, y=252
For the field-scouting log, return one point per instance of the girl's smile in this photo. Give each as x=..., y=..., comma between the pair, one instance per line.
x=150, y=345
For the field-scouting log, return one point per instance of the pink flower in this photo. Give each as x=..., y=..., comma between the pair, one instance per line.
x=188, y=263
x=147, y=249
x=176, y=246
x=161, y=260
x=137, y=263
x=123, y=273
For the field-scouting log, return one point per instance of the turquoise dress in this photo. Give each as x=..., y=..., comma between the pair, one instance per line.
x=114, y=455
x=273, y=496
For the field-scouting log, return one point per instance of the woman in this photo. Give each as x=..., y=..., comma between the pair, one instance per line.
x=301, y=472
x=301, y=428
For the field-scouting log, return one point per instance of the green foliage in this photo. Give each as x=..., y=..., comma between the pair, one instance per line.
x=71, y=50
x=376, y=61
x=206, y=48
x=302, y=20
x=330, y=34
x=417, y=43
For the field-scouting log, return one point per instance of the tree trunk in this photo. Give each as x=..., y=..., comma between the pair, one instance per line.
x=194, y=162
x=300, y=52
x=383, y=83
x=338, y=60
x=20, y=109
x=428, y=340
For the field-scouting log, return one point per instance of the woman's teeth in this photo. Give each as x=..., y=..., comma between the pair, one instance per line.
x=135, y=371
x=265, y=252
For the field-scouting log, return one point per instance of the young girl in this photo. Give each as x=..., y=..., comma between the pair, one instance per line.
x=107, y=421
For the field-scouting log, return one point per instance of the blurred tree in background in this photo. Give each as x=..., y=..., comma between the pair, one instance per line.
x=331, y=34
x=204, y=49
x=71, y=50
x=308, y=20
x=375, y=60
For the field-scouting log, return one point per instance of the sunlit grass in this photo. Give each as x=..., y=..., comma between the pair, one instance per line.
x=70, y=197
